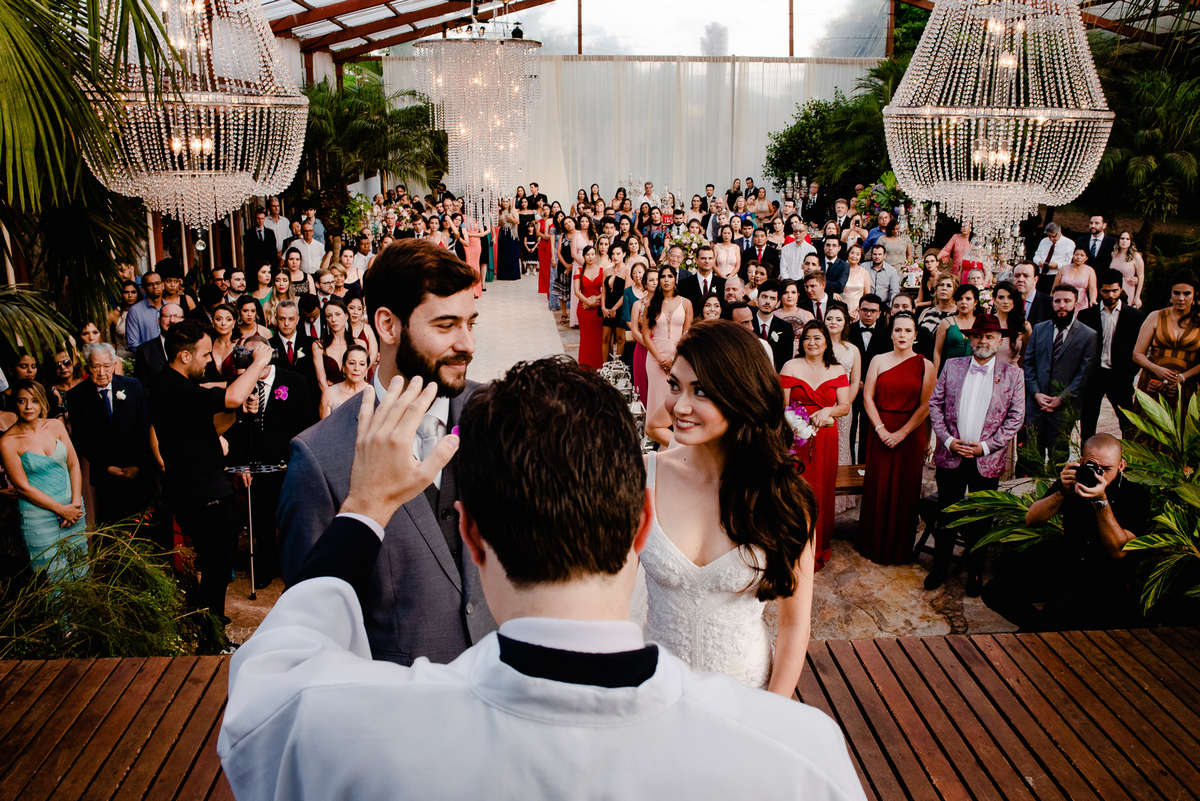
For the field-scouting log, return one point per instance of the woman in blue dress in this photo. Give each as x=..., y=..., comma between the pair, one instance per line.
x=41, y=464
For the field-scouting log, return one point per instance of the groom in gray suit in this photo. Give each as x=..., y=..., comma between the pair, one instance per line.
x=424, y=597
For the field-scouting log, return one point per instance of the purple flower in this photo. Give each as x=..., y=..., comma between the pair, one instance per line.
x=281, y=393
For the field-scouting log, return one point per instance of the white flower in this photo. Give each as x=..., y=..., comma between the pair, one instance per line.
x=300, y=353
x=800, y=427
x=774, y=336
x=120, y=394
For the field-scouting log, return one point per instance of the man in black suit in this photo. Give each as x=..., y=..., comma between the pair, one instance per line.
x=1037, y=304
x=763, y=252
x=312, y=324
x=1098, y=243
x=870, y=335
x=282, y=407
x=841, y=213
x=110, y=426
x=751, y=190
x=535, y=195
x=150, y=359
x=259, y=243
x=812, y=207
x=699, y=285
x=778, y=334
x=293, y=347
x=836, y=269
x=816, y=299
x=1116, y=324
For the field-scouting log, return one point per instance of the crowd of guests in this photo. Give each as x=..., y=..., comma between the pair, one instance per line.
x=877, y=345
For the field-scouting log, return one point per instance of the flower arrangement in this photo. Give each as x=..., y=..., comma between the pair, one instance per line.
x=883, y=194
x=691, y=246
x=910, y=277
x=803, y=431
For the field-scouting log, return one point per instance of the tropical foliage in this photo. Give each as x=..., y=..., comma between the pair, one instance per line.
x=1164, y=459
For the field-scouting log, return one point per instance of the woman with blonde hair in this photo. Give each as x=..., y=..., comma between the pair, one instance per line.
x=1128, y=262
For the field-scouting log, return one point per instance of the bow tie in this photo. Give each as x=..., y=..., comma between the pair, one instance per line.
x=977, y=368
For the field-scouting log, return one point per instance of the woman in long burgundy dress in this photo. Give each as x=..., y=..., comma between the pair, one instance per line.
x=816, y=380
x=896, y=400
x=588, y=288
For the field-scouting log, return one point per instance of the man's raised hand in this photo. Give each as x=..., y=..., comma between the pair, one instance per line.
x=385, y=474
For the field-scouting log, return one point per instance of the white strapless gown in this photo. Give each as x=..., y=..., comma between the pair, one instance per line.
x=708, y=615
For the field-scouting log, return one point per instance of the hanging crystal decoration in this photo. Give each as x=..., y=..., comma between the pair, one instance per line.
x=483, y=91
x=231, y=126
x=1000, y=110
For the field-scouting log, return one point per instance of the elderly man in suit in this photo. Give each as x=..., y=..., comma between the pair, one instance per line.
x=1058, y=363
x=423, y=597
x=976, y=410
x=567, y=700
x=1117, y=325
x=110, y=427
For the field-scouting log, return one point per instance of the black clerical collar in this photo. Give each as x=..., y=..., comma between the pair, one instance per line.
x=621, y=669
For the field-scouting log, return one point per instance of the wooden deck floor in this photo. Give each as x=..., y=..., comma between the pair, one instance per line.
x=1078, y=715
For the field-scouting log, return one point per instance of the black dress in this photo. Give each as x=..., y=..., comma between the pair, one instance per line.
x=508, y=268
x=614, y=292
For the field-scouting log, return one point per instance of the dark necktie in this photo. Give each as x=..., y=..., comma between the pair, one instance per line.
x=107, y=402
x=1095, y=247
x=291, y=354
x=764, y=330
x=705, y=290
x=760, y=250
x=260, y=234
x=1059, y=339
x=1050, y=252
x=818, y=306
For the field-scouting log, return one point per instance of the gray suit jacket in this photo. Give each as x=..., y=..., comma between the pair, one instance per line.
x=1068, y=376
x=419, y=602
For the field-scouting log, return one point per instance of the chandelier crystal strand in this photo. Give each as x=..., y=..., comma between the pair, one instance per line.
x=1000, y=110
x=483, y=92
x=231, y=126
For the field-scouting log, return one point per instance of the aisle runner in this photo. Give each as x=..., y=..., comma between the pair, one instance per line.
x=514, y=325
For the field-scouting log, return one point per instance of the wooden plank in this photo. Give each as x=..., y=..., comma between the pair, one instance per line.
x=999, y=746
x=1135, y=739
x=1133, y=660
x=221, y=791
x=891, y=740
x=6, y=667
x=1179, y=668
x=14, y=683
x=190, y=741
x=969, y=756
x=930, y=750
x=111, y=729
x=809, y=691
x=1141, y=694
x=1182, y=642
x=881, y=779
x=142, y=742
x=1061, y=720
x=848, y=481
x=26, y=730
x=1072, y=776
x=63, y=747
x=37, y=677
x=163, y=743
x=207, y=768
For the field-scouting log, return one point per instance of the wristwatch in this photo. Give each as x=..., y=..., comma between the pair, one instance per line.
x=1100, y=503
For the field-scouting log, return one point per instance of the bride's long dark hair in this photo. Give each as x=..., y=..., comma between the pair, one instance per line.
x=764, y=501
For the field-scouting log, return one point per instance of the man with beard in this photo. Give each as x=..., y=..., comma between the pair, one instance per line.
x=1058, y=363
x=976, y=409
x=423, y=597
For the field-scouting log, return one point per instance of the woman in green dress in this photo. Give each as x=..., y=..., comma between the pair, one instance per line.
x=950, y=340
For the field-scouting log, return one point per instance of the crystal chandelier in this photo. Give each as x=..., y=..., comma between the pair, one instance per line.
x=1000, y=110
x=483, y=92
x=231, y=125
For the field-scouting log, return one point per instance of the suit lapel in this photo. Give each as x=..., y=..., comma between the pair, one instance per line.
x=996, y=397
x=955, y=376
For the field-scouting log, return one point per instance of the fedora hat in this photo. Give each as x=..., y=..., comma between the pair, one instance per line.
x=984, y=324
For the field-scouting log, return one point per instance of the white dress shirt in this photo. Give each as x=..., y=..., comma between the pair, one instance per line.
x=760, y=321
x=282, y=228
x=821, y=305
x=581, y=636
x=1108, y=325
x=440, y=409
x=1064, y=249
x=791, y=259
x=973, y=403
x=311, y=254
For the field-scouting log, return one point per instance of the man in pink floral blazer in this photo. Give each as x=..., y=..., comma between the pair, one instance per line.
x=976, y=410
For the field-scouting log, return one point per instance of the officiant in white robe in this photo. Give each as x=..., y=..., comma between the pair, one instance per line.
x=566, y=700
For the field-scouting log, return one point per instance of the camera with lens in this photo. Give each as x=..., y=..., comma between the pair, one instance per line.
x=243, y=356
x=1088, y=474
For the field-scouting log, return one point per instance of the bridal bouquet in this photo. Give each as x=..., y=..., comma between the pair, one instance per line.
x=803, y=431
x=691, y=246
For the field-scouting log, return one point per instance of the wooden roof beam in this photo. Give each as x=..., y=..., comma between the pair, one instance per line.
x=337, y=9
x=385, y=24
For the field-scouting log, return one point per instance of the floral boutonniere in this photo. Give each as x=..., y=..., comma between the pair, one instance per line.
x=300, y=353
x=120, y=394
x=774, y=336
x=281, y=393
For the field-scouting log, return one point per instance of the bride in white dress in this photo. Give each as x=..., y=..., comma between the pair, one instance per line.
x=732, y=518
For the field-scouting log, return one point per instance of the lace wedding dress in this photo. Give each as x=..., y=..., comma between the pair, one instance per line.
x=707, y=615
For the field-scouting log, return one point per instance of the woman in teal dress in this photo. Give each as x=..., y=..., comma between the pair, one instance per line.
x=41, y=464
x=951, y=341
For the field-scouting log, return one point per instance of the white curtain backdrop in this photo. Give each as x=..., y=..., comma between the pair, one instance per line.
x=680, y=122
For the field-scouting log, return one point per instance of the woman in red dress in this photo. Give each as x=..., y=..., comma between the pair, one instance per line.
x=896, y=400
x=587, y=288
x=816, y=380
x=545, y=250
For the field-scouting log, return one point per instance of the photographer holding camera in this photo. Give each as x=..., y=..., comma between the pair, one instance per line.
x=1101, y=510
